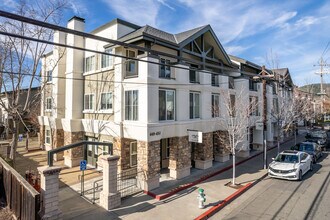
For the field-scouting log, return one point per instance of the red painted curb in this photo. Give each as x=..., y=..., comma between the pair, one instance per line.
x=228, y=200
x=188, y=185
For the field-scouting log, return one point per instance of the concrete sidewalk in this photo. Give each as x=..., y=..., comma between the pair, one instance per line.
x=181, y=205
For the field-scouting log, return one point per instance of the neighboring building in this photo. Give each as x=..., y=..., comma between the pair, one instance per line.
x=146, y=110
x=30, y=120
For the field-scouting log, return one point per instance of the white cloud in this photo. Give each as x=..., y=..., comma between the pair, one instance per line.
x=163, y=2
x=139, y=12
x=8, y=4
x=78, y=8
x=237, y=49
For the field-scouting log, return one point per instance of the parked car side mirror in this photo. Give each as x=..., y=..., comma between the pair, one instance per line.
x=273, y=158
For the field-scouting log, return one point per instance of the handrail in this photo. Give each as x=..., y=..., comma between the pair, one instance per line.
x=78, y=144
x=95, y=183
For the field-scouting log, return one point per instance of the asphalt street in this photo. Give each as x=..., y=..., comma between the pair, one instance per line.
x=283, y=199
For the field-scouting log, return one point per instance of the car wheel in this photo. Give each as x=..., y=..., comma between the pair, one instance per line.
x=300, y=175
x=311, y=166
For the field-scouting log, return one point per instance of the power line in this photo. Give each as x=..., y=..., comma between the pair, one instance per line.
x=125, y=57
x=325, y=49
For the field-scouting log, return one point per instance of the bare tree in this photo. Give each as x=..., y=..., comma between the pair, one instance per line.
x=20, y=58
x=235, y=119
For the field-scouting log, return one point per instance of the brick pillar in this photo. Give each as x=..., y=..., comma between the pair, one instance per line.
x=73, y=156
x=221, y=146
x=148, y=164
x=109, y=197
x=180, y=157
x=49, y=192
x=204, y=152
x=121, y=147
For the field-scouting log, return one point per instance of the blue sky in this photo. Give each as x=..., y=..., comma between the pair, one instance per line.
x=296, y=32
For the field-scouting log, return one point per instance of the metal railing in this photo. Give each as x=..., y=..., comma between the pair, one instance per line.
x=74, y=145
x=96, y=186
x=127, y=183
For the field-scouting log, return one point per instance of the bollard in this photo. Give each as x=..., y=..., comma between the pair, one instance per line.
x=201, y=198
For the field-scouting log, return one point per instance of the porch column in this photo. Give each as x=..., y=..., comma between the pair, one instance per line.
x=180, y=157
x=221, y=144
x=109, y=197
x=148, y=164
x=49, y=192
x=204, y=152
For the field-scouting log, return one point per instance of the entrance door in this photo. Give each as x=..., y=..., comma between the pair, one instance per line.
x=251, y=138
x=92, y=153
x=164, y=153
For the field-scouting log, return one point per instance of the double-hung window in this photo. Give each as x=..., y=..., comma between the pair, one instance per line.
x=166, y=104
x=194, y=105
x=231, y=82
x=107, y=60
x=49, y=103
x=49, y=76
x=254, y=106
x=193, y=74
x=106, y=101
x=131, y=65
x=215, y=105
x=89, y=102
x=215, y=80
x=133, y=153
x=165, y=70
x=47, y=136
x=90, y=63
x=131, y=105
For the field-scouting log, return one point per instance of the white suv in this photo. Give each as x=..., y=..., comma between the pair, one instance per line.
x=290, y=165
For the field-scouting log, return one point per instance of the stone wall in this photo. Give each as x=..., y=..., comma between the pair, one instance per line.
x=121, y=147
x=204, y=151
x=221, y=149
x=73, y=156
x=180, y=153
x=148, y=164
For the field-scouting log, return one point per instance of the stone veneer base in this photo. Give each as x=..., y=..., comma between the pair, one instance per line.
x=221, y=158
x=72, y=162
x=110, y=201
x=180, y=173
x=203, y=164
x=243, y=153
x=148, y=184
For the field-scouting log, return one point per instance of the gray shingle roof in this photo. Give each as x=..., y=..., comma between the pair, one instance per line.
x=154, y=32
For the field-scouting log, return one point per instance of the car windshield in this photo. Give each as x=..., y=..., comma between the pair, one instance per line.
x=306, y=147
x=317, y=135
x=287, y=158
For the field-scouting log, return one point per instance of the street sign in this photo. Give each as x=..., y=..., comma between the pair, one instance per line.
x=83, y=164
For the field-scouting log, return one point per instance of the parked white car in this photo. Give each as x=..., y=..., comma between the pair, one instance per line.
x=290, y=165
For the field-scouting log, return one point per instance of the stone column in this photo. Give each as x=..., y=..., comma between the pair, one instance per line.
x=109, y=197
x=148, y=164
x=180, y=157
x=121, y=147
x=73, y=156
x=49, y=192
x=204, y=152
x=58, y=142
x=221, y=146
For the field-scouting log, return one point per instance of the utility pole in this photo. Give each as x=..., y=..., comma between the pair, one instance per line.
x=321, y=73
x=264, y=114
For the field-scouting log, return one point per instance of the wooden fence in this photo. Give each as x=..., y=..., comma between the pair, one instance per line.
x=21, y=197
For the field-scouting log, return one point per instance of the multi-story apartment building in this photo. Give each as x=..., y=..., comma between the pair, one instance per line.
x=148, y=105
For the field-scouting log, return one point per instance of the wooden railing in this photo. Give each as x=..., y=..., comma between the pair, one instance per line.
x=21, y=197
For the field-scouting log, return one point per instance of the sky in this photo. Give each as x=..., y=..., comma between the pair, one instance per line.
x=295, y=33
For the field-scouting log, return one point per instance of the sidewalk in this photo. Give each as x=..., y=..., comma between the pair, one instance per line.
x=182, y=204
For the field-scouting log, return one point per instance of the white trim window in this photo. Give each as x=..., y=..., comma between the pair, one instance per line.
x=47, y=136
x=89, y=102
x=194, y=105
x=49, y=76
x=215, y=105
x=165, y=70
x=107, y=60
x=131, y=65
x=131, y=105
x=166, y=105
x=106, y=101
x=133, y=154
x=90, y=63
x=215, y=80
x=49, y=104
